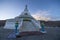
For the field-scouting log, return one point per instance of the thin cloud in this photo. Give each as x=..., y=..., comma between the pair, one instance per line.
x=45, y=15
x=42, y=15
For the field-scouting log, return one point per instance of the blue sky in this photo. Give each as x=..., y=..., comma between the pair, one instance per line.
x=39, y=9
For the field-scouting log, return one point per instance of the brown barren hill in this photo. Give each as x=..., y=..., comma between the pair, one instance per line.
x=47, y=23
x=2, y=22
x=51, y=23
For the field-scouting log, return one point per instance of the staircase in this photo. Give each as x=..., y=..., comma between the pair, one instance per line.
x=28, y=26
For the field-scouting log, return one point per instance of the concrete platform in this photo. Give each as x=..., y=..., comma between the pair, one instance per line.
x=29, y=33
x=53, y=33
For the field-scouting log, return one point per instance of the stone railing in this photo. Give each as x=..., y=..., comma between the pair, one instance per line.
x=36, y=23
x=20, y=24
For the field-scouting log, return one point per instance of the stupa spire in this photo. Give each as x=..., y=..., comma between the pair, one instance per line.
x=26, y=8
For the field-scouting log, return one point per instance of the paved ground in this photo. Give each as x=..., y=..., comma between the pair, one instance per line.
x=52, y=34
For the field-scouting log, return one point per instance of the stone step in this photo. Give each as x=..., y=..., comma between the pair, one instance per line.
x=28, y=26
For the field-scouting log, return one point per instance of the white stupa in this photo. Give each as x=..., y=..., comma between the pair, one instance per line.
x=26, y=22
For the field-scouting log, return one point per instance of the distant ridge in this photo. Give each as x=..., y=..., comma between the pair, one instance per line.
x=47, y=23
x=2, y=22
